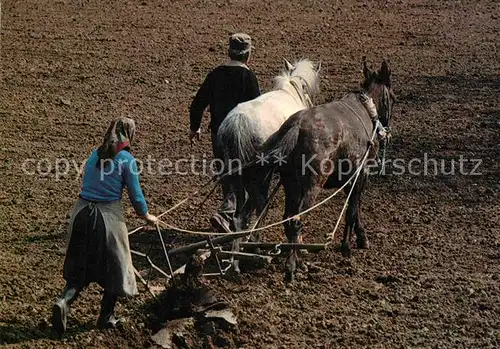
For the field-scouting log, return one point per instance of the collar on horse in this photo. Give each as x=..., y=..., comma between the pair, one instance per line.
x=304, y=96
x=367, y=102
x=383, y=133
x=370, y=107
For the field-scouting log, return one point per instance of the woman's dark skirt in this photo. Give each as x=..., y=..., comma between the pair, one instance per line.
x=98, y=248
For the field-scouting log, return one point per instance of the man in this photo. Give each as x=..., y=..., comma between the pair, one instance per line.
x=223, y=89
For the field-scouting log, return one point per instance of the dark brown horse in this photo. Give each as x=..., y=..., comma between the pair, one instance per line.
x=323, y=146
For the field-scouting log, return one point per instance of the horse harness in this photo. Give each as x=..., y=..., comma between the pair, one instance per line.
x=305, y=99
x=367, y=102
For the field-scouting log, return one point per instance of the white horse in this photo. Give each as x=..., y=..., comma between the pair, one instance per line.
x=247, y=127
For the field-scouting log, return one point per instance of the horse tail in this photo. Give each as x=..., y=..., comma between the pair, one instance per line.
x=281, y=144
x=237, y=138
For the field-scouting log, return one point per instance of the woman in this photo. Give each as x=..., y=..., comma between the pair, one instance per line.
x=98, y=248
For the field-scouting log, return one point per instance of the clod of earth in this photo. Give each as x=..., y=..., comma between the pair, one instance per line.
x=174, y=333
x=188, y=305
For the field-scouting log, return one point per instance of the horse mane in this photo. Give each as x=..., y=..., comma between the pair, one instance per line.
x=305, y=70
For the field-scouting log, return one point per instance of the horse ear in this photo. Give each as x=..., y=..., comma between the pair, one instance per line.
x=288, y=65
x=318, y=69
x=366, y=71
x=385, y=72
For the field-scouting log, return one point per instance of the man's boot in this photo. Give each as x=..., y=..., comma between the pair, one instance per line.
x=60, y=309
x=222, y=221
x=106, y=317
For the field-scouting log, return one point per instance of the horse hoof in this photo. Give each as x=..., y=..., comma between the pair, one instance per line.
x=236, y=267
x=346, y=251
x=289, y=276
x=363, y=243
x=303, y=267
x=220, y=224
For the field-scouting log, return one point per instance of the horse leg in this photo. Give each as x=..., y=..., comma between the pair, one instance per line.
x=313, y=187
x=292, y=227
x=240, y=218
x=299, y=196
x=259, y=192
x=346, y=243
x=351, y=215
x=361, y=239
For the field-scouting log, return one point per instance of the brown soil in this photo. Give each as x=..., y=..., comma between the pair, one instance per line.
x=431, y=277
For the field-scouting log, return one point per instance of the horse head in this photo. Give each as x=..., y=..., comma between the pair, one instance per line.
x=378, y=85
x=303, y=75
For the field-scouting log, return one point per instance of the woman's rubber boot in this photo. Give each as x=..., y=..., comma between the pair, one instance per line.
x=106, y=317
x=60, y=309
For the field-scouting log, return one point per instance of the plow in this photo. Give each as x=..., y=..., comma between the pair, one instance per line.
x=213, y=242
